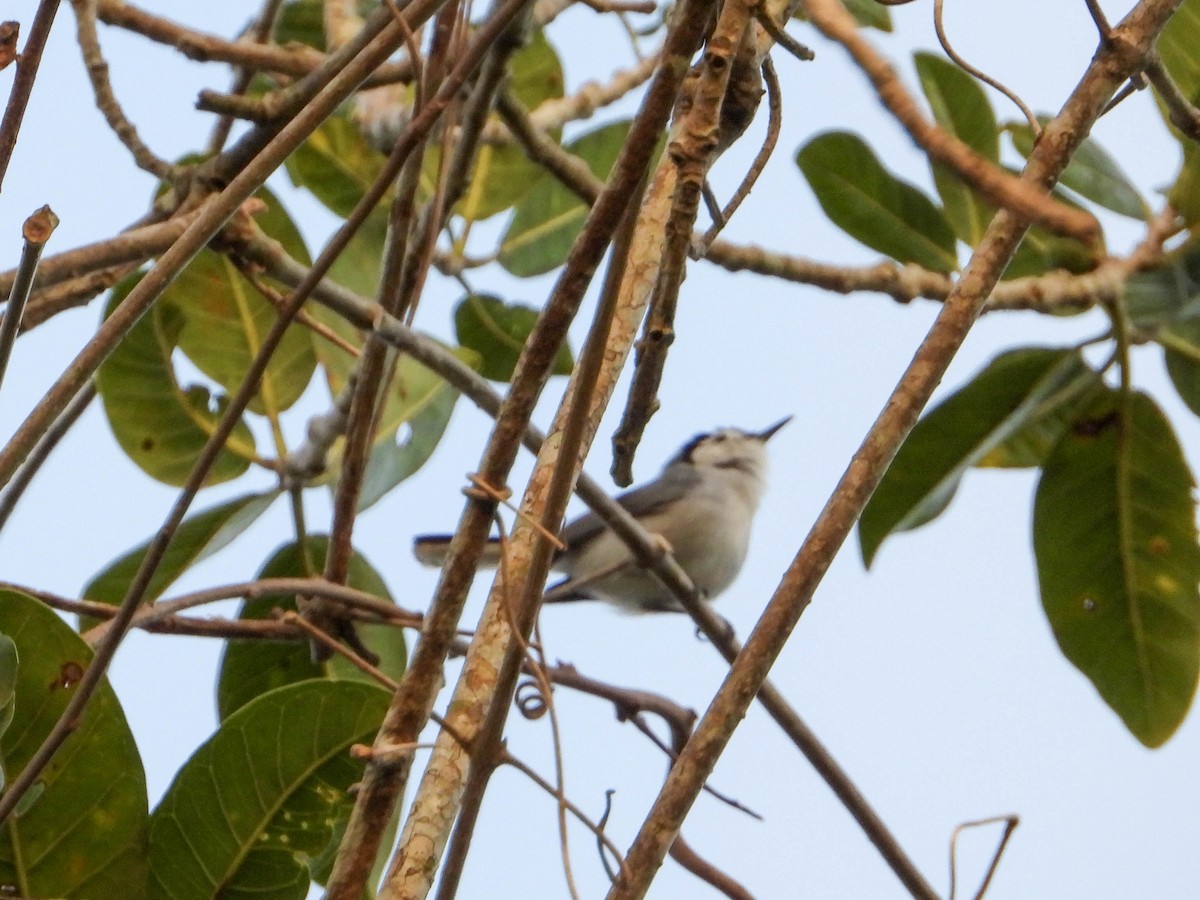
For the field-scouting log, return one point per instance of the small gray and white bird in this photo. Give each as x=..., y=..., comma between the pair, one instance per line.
x=702, y=505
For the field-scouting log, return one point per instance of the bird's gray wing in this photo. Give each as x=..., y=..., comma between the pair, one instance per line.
x=640, y=502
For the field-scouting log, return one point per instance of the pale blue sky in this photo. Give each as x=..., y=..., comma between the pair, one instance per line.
x=934, y=679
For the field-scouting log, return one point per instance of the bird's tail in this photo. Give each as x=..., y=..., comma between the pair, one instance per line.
x=432, y=550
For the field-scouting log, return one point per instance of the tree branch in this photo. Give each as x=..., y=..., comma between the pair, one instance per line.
x=106, y=100
x=1112, y=65
x=1028, y=199
x=28, y=63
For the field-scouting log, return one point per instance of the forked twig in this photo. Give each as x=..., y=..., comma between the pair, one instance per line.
x=1010, y=824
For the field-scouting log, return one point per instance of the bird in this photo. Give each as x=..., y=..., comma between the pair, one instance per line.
x=701, y=505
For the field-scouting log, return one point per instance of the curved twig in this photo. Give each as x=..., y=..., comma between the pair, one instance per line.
x=939, y=26
x=997, y=186
x=106, y=100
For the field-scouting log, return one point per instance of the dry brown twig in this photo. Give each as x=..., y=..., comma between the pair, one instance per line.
x=1010, y=824
x=1112, y=65
x=28, y=63
x=993, y=183
x=106, y=100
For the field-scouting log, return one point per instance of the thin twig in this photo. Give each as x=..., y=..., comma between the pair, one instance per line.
x=697, y=140
x=990, y=180
x=781, y=37
x=33, y=463
x=591, y=96
x=35, y=232
x=1110, y=67
x=133, y=246
x=106, y=100
x=260, y=33
x=940, y=27
x=294, y=60
x=1010, y=824
x=598, y=830
x=1184, y=114
x=27, y=69
x=774, y=124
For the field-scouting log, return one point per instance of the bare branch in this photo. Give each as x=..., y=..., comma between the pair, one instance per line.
x=106, y=100
x=998, y=187
x=27, y=69
x=1112, y=65
x=36, y=231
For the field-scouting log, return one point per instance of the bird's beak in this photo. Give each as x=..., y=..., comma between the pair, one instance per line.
x=766, y=434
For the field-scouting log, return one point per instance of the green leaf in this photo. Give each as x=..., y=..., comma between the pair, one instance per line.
x=1091, y=173
x=550, y=217
x=1168, y=293
x=225, y=321
x=1177, y=48
x=959, y=104
x=417, y=398
x=1008, y=413
x=868, y=14
x=503, y=174
x=497, y=331
x=8, y=687
x=1181, y=348
x=160, y=425
x=1042, y=251
x=360, y=265
x=1115, y=538
x=251, y=668
x=83, y=832
x=275, y=221
x=1184, y=194
x=336, y=164
x=261, y=797
x=873, y=206
x=395, y=458
x=198, y=537
x=300, y=22
x=961, y=107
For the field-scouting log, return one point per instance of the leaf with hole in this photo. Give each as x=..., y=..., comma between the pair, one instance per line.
x=285, y=774
x=1114, y=534
x=82, y=831
x=1008, y=414
x=871, y=205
